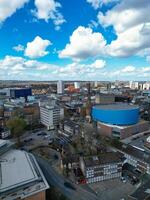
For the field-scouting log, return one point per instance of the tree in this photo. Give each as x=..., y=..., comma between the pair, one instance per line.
x=54, y=194
x=17, y=126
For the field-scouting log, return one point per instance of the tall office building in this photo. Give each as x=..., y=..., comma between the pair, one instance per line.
x=77, y=85
x=50, y=116
x=146, y=86
x=134, y=85
x=96, y=84
x=60, y=87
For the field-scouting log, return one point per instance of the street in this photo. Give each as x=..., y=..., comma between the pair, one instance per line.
x=58, y=181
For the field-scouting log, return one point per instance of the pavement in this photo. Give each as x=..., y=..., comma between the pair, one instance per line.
x=112, y=189
x=57, y=180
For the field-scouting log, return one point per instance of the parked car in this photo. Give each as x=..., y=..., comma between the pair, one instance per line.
x=69, y=185
x=28, y=140
x=42, y=133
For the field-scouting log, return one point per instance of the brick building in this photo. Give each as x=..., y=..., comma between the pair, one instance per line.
x=20, y=175
x=136, y=157
x=122, y=132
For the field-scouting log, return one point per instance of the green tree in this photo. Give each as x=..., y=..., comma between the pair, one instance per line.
x=17, y=126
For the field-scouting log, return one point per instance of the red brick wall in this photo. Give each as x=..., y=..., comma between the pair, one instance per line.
x=104, y=130
x=38, y=196
x=137, y=128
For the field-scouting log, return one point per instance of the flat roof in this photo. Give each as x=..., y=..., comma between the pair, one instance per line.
x=116, y=106
x=123, y=126
x=135, y=152
x=21, y=175
x=16, y=170
x=106, y=158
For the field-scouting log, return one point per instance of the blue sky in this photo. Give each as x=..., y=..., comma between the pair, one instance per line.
x=75, y=40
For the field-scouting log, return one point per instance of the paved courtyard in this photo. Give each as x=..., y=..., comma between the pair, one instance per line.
x=112, y=189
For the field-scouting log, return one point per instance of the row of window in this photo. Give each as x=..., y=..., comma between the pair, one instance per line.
x=101, y=178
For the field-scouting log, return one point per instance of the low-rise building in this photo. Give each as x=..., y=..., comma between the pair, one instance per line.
x=4, y=133
x=104, y=98
x=20, y=175
x=136, y=157
x=122, y=132
x=31, y=113
x=102, y=167
x=70, y=161
x=69, y=127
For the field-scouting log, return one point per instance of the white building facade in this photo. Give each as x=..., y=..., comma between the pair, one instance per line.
x=50, y=116
x=60, y=87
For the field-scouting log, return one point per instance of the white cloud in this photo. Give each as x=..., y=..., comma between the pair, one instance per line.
x=10, y=61
x=99, y=64
x=19, y=65
x=37, y=48
x=136, y=11
x=128, y=69
x=145, y=69
x=93, y=24
x=8, y=8
x=130, y=73
x=12, y=67
x=131, y=22
x=76, y=70
x=18, y=48
x=131, y=42
x=48, y=9
x=98, y=3
x=95, y=3
x=84, y=43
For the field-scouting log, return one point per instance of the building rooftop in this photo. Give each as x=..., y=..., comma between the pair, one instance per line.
x=102, y=159
x=135, y=152
x=71, y=123
x=16, y=169
x=143, y=192
x=20, y=175
x=141, y=121
x=116, y=106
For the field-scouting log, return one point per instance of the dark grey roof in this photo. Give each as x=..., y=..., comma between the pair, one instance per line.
x=137, y=153
x=142, y=193
x=106, y=158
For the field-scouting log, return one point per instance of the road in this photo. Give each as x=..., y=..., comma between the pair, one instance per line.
x=55, y=179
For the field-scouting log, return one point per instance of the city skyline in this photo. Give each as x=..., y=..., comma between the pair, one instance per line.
x=75, y=40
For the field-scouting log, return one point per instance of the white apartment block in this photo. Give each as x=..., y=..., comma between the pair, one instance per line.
x=134, y=85
x=77, y=85
x=146, y=86
x=60, y=87
x=50, y=116
x=103, y=167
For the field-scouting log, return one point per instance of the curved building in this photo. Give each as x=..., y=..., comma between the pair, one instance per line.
x=116, y=114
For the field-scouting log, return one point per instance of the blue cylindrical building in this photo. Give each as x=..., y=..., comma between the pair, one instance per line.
x=116, y=114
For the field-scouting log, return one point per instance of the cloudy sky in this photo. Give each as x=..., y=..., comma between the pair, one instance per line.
x=75, y=39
